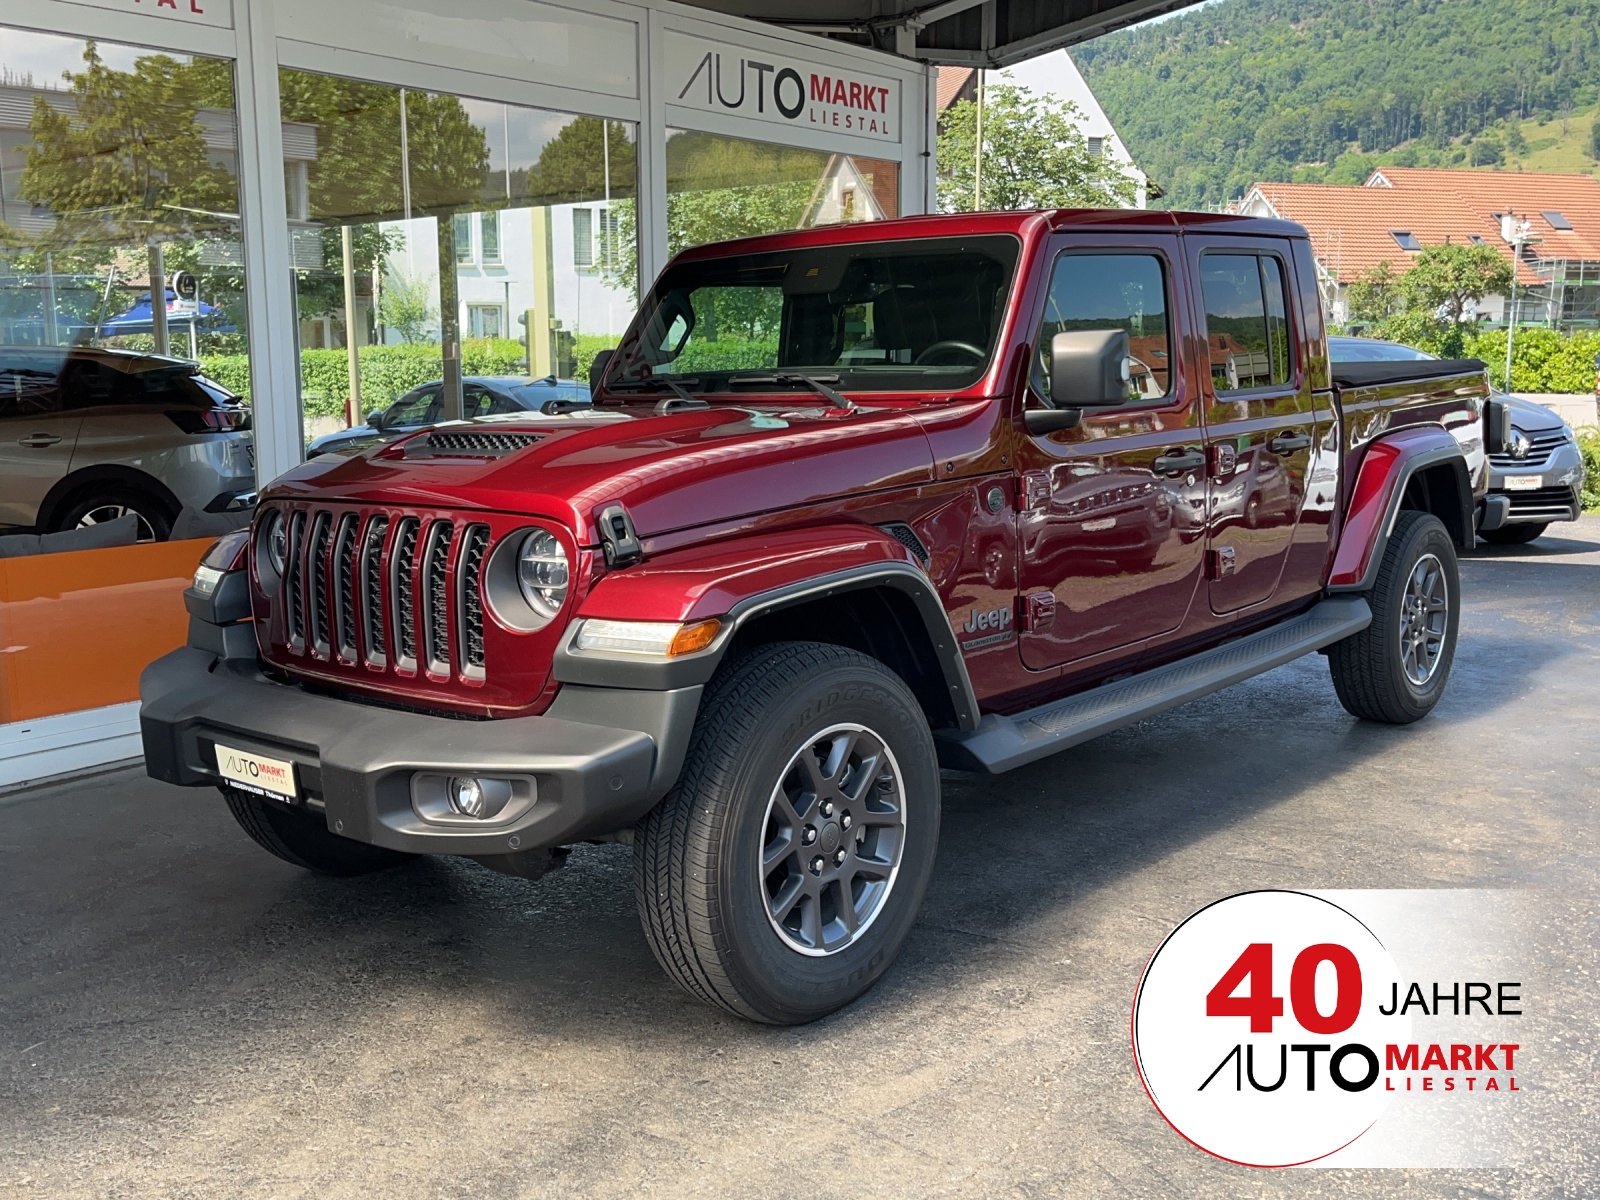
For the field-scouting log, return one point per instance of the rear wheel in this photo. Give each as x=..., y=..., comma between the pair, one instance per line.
x=302, y=839
x=153, y=522
x=1395, y=670
x=1512, y=535
x=781, y=876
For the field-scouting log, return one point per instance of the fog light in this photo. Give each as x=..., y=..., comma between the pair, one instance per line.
x=472, y=796
x=466, y=796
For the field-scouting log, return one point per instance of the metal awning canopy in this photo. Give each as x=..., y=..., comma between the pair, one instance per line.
x=968, y=33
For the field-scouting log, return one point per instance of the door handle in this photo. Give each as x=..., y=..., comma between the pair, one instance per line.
x=1286, y=444
x=39, y=441
x=1179, y=462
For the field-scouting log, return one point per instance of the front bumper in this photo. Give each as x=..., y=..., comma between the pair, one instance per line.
x=1557, y=496
x=355, y=763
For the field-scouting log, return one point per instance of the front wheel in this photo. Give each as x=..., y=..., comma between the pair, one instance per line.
x=781, y=876
x=1512, y=535
x=1394, y=671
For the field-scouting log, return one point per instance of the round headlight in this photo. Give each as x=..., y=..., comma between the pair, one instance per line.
x=276, y=542
x=542, y=573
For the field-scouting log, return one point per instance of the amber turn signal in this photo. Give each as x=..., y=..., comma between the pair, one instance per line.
x=694, y=637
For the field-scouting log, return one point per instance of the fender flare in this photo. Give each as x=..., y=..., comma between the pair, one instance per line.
x=744, y=578
x=1387, y=467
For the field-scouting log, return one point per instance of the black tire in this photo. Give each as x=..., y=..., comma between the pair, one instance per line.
x=1370, y=668
x=302, y=839
x=703, y=891
x=155, y=522
x=1512, y=535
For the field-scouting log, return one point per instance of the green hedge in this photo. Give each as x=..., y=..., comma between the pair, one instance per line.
x=1589, y=443
x=387, y=372
x=1542, y=360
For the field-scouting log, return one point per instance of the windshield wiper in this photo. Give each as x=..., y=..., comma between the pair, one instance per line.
x=817, y=383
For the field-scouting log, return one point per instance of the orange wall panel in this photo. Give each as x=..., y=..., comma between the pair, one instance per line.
x=77, y=628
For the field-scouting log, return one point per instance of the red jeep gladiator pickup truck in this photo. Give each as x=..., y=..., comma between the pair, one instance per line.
x=980, y=487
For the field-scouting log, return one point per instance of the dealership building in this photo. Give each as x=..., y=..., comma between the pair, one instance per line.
x=339, y=202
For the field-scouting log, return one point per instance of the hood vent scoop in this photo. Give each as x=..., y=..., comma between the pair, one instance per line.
x=473, y=443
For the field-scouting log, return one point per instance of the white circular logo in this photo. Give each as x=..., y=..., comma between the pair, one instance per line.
x=1257, y=1030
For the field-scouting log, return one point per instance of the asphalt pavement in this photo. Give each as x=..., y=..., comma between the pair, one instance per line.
x=182, y=1015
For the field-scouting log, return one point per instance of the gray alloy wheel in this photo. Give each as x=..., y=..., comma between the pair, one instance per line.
x=112, y=511
x=782, y=874
x=1395, y=670
x=834, y=832
x=1424, y=619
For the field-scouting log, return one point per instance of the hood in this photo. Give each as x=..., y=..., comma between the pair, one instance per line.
x=1528, y=416
x=673, y=471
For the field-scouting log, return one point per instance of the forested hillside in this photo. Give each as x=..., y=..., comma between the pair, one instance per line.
x=1322, y=90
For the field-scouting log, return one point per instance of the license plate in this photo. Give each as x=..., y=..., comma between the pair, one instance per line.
x=1523, y=483
x=257, y=773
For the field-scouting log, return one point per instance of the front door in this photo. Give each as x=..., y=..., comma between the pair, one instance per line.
x=1261, y=420
x=36, y=436
x=1111, y=515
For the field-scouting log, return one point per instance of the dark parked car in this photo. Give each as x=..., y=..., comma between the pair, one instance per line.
x=482, y=396
x=1535, y=480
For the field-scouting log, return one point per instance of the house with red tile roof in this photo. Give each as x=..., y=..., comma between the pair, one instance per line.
x=1400, y=210
x=1054, y=75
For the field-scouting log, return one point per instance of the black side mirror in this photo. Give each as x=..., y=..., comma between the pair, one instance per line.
x=597, y=368
x=375, y=418
x=1089, y=368
x=1496, y=427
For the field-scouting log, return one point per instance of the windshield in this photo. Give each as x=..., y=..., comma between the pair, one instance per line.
x=1364, y=350
x=875, y=316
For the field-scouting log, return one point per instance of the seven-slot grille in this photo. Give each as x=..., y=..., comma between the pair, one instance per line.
x=1540, y=447
x=397, y=593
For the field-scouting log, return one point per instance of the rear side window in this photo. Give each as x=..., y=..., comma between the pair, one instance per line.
x=1111, y=291
x=1247, y=326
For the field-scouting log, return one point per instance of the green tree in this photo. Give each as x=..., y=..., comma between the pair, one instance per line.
x=1594, y=134
x=126, y=162
x=406, y=304
x=1034, y=156
x=1374, y=294
x=1449, y=279
x=589, y=159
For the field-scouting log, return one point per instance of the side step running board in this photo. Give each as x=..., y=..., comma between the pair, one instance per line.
x=1000, y=743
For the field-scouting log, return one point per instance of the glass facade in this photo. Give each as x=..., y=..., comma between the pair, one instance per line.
x=466, y=190
x=121, y=416
x=429, y=243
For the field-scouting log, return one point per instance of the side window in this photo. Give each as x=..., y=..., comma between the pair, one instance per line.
x=1247, y=326
x=1111, y=291
x=412, y=409
x=478, y=402
x=29, y=388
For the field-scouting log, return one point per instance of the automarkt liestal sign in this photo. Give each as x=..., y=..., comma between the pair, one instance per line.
x=780, y=89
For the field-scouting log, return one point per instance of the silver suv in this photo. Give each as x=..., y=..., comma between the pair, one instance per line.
x=89, y=435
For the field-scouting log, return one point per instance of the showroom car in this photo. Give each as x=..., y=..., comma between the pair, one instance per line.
x=482, y=396
x=88, y=435
x=1540, y=472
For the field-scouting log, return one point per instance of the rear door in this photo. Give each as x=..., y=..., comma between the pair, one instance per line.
x=1261, y=416
x=37, y=436
x=1111, y=513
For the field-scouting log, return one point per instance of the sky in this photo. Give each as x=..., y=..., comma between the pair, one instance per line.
x=46, y=55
